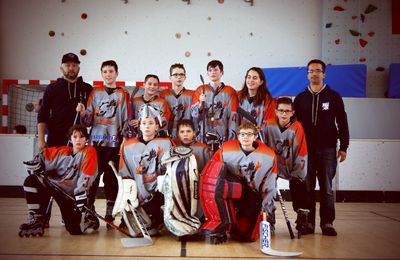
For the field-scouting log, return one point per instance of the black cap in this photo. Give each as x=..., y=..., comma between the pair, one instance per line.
x=70, y=57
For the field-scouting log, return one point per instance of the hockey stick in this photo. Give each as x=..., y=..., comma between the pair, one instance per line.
x=204, y=110
x=265, y=241
x=94, y=213
x=134, y=241
x=140, y=241
x=289, y=225
x=251, y=119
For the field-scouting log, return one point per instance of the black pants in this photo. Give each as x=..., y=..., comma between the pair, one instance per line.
x=38, y=193
x=104, y=155
x=298, y=190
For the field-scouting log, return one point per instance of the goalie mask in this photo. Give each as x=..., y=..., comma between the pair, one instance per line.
x=147, y=110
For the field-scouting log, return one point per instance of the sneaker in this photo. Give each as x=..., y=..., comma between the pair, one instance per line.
x=302, y=224
x=328, y=230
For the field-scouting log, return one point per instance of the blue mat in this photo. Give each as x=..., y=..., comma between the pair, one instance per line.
x=394, y=80
x=348, y=80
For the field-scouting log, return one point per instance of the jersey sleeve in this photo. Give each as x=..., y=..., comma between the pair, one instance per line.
x=88, y=170
x=299, y=168
x=267, y=187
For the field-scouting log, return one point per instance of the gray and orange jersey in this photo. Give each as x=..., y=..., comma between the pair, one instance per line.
x=142, y=162
x=156, y=102
x=290, y=147
x=107, y=114
x=179, y=105
x=221, y=107
x=259, y=168
x=72, y=173
x=201, y=152
x=261, y=113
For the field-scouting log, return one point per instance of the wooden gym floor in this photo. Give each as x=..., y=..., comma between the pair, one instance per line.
x=365, y=231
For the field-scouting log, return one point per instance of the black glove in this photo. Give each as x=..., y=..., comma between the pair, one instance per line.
x=34, y=167
x=80, y=202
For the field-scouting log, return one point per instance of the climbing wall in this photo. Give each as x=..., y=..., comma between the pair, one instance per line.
x=360, y=31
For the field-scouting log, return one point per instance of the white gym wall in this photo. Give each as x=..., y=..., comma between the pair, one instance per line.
x=141, y=36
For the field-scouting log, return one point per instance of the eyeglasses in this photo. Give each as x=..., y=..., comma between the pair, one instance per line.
x=318, y=71
x=281, y=111
x=177, y=75
x=246, y=134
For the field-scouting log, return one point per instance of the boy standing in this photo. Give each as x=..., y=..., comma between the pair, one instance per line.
x=150, y=97
x=71, y=169
x=179, y=98
x=107, y=112
x=254, y=166
x=214, y=108
x=286, y=137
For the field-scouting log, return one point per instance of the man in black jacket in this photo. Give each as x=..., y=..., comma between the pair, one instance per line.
x=58, y=110
x=321, y=112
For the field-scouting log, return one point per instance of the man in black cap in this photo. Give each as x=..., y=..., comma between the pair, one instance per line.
x=58, y=110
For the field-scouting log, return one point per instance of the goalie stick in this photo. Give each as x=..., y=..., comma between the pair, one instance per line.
x=134, y=241
x=265, y=241
x=289, y=225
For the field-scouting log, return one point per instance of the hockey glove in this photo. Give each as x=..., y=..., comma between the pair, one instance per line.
x=80, y=202
x=34, y=167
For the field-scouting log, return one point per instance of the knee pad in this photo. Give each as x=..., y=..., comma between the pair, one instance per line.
x=216, y=194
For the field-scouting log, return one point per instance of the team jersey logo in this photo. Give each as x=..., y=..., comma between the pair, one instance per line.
x=249, y=170
x=107, y=109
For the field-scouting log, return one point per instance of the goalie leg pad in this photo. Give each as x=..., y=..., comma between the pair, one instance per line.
x=216, y=196
x=127, y=190
x=246, y=229
x=180, y=193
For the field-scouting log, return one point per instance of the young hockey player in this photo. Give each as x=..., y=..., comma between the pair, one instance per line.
x=72, y=170
x=107, y=112
x=250, y=177
x=218, y=114
x=150, y=97
x=286, y=137
x=140, y=160
x=255, y=99
x=179, y=98
x=187, y=137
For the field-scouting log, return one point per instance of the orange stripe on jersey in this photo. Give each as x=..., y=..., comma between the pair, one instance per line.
x=50, y=154
x=89, y=164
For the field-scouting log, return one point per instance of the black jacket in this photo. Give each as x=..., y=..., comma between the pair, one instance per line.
x=323, y=118
x=58, y=109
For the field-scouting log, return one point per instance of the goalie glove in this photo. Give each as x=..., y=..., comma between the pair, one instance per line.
x=34, y=167
x=127, y=190
x=80, y=202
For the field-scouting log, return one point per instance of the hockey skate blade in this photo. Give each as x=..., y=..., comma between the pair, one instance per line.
x=270, y=251
x=136, y=242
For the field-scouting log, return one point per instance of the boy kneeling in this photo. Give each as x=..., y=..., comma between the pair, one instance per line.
x=249, y=178
x=63, y=173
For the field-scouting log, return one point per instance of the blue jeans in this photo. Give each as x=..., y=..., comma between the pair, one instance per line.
x=322, y=165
